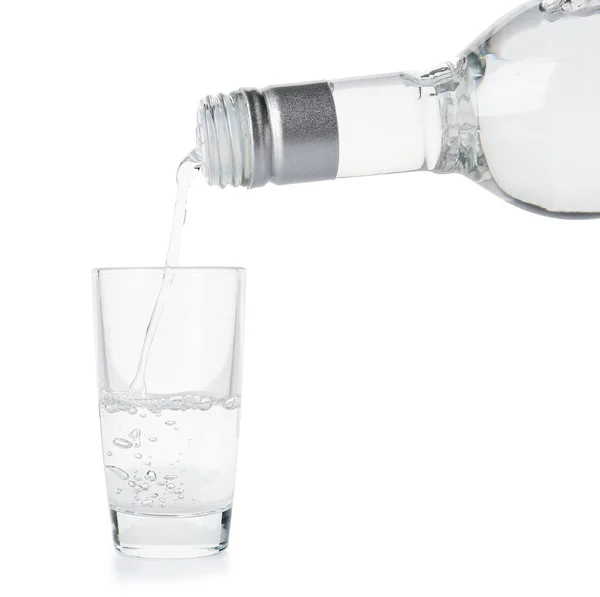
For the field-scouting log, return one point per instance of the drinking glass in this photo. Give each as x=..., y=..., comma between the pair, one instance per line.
x=170, y=424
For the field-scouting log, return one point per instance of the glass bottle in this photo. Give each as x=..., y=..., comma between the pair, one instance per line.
x=518, y=112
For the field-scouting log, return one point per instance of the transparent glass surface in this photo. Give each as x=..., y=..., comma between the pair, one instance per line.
x=535, y=85
x=170, y=448
x=517, y=112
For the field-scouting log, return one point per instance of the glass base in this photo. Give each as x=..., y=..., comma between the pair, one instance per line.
x=143, y=536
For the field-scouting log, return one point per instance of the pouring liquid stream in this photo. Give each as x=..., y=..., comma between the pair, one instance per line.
x=185, y=176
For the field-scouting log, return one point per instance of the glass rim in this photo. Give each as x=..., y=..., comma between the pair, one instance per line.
x=207, y=270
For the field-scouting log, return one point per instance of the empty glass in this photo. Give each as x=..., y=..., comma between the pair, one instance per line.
x=170, y=413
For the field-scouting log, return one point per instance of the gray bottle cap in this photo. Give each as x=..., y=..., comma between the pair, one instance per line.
x=294, y=133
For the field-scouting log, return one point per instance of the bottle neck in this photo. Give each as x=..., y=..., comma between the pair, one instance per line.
x=348, y=128
x=386, y=124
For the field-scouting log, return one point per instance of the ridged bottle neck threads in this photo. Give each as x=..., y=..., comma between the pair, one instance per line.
x=224, y=140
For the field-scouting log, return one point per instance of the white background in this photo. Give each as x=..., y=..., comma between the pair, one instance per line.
x=421, y=398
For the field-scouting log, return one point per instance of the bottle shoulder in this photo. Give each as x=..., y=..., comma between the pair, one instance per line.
x=549, y=30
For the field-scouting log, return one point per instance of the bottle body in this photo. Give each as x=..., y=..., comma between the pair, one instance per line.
x=517, y=112
x=537, y=90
